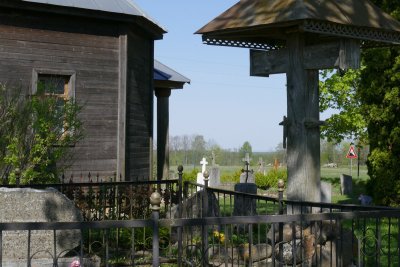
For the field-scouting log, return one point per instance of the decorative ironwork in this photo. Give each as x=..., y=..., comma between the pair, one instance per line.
x=242, y=44
x=355, y=32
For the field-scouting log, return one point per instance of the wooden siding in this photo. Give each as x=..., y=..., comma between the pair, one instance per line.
x=94, y=59
x=139, y=119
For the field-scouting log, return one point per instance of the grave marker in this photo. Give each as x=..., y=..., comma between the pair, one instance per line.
x=200, y=177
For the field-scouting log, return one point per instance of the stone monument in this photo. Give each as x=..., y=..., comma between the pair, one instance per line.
x=215, y=173
x=244, y=205
x=326, y=192
x=261, y=166
x=346, y=184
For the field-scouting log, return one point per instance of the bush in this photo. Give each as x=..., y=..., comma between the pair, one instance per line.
x=36, y=133
x=384, y=185
x=271, y=178
x=190, y=176
x=231, y=178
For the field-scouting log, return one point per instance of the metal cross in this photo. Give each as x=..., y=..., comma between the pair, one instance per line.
x=285, y=124
x=246, y=160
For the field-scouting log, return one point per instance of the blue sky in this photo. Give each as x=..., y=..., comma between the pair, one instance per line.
x=223, y=102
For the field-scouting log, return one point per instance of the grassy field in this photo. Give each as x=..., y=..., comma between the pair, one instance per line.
x=331, y=175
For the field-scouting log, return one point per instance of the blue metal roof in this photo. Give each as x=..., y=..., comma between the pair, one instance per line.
x=165, y=73
x=127, y=7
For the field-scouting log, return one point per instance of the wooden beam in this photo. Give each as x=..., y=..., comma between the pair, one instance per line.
x=122, y=91
x=343, y=54
x=303, y=142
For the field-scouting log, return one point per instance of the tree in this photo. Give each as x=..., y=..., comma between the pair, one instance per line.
x=37, y=134
x=381, y=108
x=198, y=148
x=245, y=148
x=338, y=91
x=377, y=92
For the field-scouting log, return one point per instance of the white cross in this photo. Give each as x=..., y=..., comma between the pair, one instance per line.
x=247, y=158
x=203, y=163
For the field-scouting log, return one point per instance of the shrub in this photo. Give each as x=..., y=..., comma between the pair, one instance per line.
x=271, y=178
x=190, y=176
x=37, y=132
x=231, y=178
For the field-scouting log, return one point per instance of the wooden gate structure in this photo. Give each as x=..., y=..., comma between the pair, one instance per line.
x=300, y=37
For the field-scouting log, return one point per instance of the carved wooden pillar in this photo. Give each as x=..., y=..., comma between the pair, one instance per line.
x=303, y=143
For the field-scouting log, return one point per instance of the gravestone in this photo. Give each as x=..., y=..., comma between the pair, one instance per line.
x=215, y=174
x=245, y=205
x=200, y=177
x=346, y=184
x=247, y=178
x=326, y=192
x=30, y=205
x=261, y=166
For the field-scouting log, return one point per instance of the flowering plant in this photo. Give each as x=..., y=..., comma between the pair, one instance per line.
x=75, y=263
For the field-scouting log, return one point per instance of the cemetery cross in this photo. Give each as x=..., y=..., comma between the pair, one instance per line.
x=247, y=160
x=299, y=38
x=203, y=163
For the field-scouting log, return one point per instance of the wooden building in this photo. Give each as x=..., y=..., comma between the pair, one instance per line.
x=104, y=51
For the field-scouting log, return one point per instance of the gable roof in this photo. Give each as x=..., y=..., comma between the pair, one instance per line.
x=254, y=15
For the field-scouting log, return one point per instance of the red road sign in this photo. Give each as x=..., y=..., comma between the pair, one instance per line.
x=352, y=153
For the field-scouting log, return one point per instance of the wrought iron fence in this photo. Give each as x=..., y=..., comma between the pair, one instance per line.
x=351, y=238
x=203, y=226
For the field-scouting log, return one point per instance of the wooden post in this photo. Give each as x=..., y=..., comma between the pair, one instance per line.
x=122, y=95
x=303, y=144
x=163, y=133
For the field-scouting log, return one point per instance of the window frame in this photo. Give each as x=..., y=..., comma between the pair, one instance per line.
x=36, y=72
x=71, y=83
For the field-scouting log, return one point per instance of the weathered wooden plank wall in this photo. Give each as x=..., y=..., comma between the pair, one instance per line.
x=29, y=42
x=139, y=107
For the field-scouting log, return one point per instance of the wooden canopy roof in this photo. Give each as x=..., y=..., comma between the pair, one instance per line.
x=263, y=23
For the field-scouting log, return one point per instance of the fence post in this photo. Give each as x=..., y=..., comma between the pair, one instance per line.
x=180, y=213
x=155, y=201
x=204, y=214
x=281, y=187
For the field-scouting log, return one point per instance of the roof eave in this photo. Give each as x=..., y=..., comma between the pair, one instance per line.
x=236, y=37
x=153, y=29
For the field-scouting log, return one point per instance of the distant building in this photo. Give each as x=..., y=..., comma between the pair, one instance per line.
x=103, y=51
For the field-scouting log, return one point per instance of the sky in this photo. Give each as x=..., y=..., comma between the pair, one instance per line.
x=222, y=102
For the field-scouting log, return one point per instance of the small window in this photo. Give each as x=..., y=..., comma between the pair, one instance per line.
x=59, y=85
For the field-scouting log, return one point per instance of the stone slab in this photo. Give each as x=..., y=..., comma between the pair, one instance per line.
x=31, y=205
x=326, y=192
x=346, y=184
x=244, y=206
x=215, y=177
x=250, y=179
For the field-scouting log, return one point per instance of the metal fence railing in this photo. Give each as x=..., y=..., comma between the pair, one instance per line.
x=351, y=238
x=170, y=223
